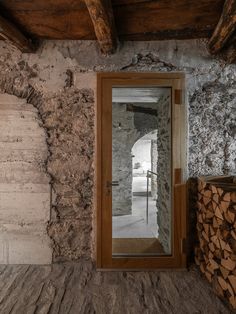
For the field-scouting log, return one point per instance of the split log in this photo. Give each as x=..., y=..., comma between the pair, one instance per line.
x=228, y=264
x=225, y=272
x=232, y=280
x=232, y=301
x=216, y=224
x=223, y=283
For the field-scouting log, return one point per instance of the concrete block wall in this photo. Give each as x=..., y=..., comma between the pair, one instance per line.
x=24, y=185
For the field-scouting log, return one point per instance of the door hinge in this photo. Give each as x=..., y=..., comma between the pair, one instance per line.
x=183, y=246
x=178, y=96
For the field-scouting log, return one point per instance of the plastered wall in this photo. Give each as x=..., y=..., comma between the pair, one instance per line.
x=60, y=81
x=25, y=193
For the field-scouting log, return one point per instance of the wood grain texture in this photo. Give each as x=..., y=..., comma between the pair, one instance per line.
x=135, y=19
x=50, y=20
x=104, y=155
x=167, y=19
x=229, y=51
x=101, y=14
x=215, y=253
x=225, y=27
x=10, y=32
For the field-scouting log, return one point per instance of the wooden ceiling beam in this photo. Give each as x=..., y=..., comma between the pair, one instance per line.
x=11, y=33
x=225, y=27
x=101, y=14
x=229, y=53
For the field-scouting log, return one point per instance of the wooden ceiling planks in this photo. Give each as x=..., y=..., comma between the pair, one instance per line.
x=11, y=33
x=167, y=19
x=49, y=19
x=135, y=19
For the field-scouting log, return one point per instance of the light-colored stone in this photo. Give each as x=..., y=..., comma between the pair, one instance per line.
x=29, y=249
x=23, y=207
x=25, y=195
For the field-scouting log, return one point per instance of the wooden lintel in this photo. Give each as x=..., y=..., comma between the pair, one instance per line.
x=10, y=32
x=225, y=27
x=101, y=14
x=140, y=109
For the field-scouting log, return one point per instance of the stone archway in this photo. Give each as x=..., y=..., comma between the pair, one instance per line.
x=128, y=128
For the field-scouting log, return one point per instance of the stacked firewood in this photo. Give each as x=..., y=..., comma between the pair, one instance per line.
x=216, y=226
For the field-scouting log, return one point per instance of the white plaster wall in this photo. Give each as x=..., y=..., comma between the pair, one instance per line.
x=142, y=152
x=24, y=185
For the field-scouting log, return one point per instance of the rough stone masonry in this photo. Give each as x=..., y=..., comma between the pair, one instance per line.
x=59, y=80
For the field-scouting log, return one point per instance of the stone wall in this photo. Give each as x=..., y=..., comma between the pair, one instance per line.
x=60, y=81
x=164, y=190
x=127, y=128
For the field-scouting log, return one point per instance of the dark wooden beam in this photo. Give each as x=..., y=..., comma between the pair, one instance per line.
x=10, y=32
x=228, y=54
x=225, y=27
x=101, y=14
x=140, y=109
x=135, y=19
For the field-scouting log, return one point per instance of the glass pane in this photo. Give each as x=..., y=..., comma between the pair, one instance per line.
x=141, y=171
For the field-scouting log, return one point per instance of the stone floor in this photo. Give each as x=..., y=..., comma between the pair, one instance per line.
x=79, y=289
x=135, y=225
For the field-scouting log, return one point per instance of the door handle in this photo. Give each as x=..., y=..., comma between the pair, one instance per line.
x=112, y=183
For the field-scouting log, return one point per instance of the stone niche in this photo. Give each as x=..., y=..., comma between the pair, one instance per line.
x=24, y=185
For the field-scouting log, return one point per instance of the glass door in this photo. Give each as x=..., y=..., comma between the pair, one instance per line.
x=141, y=197
x=141, y=171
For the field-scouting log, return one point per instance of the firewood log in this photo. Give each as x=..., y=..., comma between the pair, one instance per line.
x=224, y=272
x=226, y=197
x=232, y=280
x=216, y=226
x=224, y=206
x=232, y=301
x=218, y=213
x=228, y=263
x=214, y=189
x=208, y=276
x=233, y=197
x=222, y=283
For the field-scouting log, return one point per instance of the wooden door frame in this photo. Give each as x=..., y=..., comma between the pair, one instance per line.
x=104, y=258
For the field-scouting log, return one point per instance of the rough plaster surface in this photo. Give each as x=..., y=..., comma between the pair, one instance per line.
x=69, y=120
x=44, y=79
